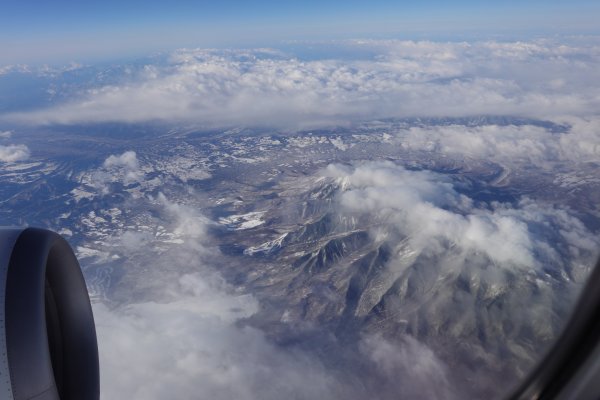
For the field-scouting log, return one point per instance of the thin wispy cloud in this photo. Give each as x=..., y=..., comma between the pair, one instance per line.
x=188, y=340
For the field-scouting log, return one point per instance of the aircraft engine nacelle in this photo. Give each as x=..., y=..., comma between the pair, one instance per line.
x=48, y=347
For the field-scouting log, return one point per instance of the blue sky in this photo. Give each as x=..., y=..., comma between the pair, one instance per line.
x=58, y=31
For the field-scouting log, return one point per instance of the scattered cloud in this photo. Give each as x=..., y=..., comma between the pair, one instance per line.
x=187, y=335
x=123, y=168
x=461, y=271
x=13, y=153
x=5, y=134
x=538, y=79
x=128, y=160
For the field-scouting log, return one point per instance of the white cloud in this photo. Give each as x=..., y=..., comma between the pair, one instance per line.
x=426, y=208
x=191, y=347
x=5, y=134
x=128, y=160
x=440, y=239
x=510, y=144
x=541, y=79
x=122, y=168
x=14, y=152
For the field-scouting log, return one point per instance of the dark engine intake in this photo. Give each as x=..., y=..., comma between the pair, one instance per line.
x=48, y=347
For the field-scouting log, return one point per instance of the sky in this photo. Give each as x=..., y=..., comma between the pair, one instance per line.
x=61, y=31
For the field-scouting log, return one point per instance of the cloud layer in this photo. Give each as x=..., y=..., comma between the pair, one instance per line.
x=541, y=79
